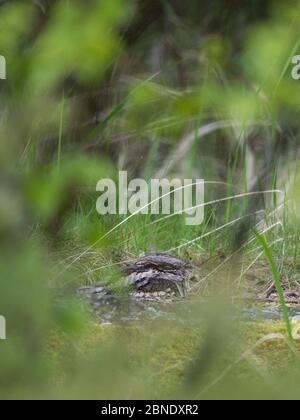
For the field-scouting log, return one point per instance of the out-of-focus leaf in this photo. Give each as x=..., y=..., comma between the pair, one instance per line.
x=47, y=189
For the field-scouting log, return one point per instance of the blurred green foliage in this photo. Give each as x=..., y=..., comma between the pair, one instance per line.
x=98, y=86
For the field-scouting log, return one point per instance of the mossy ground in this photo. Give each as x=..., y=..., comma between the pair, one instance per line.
x=136, y=361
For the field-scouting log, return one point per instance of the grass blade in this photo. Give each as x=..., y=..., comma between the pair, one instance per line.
x=277, y=281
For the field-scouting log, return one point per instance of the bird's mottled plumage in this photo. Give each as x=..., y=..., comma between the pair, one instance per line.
x=157, y=273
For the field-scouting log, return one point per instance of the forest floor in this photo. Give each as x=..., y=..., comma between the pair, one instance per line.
x=229, y=329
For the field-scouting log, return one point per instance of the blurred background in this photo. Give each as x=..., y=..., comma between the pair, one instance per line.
x=161, y=88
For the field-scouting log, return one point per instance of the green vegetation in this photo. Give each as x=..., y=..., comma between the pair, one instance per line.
x=159, y=89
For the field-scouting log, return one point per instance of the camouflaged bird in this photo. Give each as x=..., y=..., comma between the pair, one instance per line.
x=160, y=272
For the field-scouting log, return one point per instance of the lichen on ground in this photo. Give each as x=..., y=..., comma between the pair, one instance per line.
x=151, y=362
